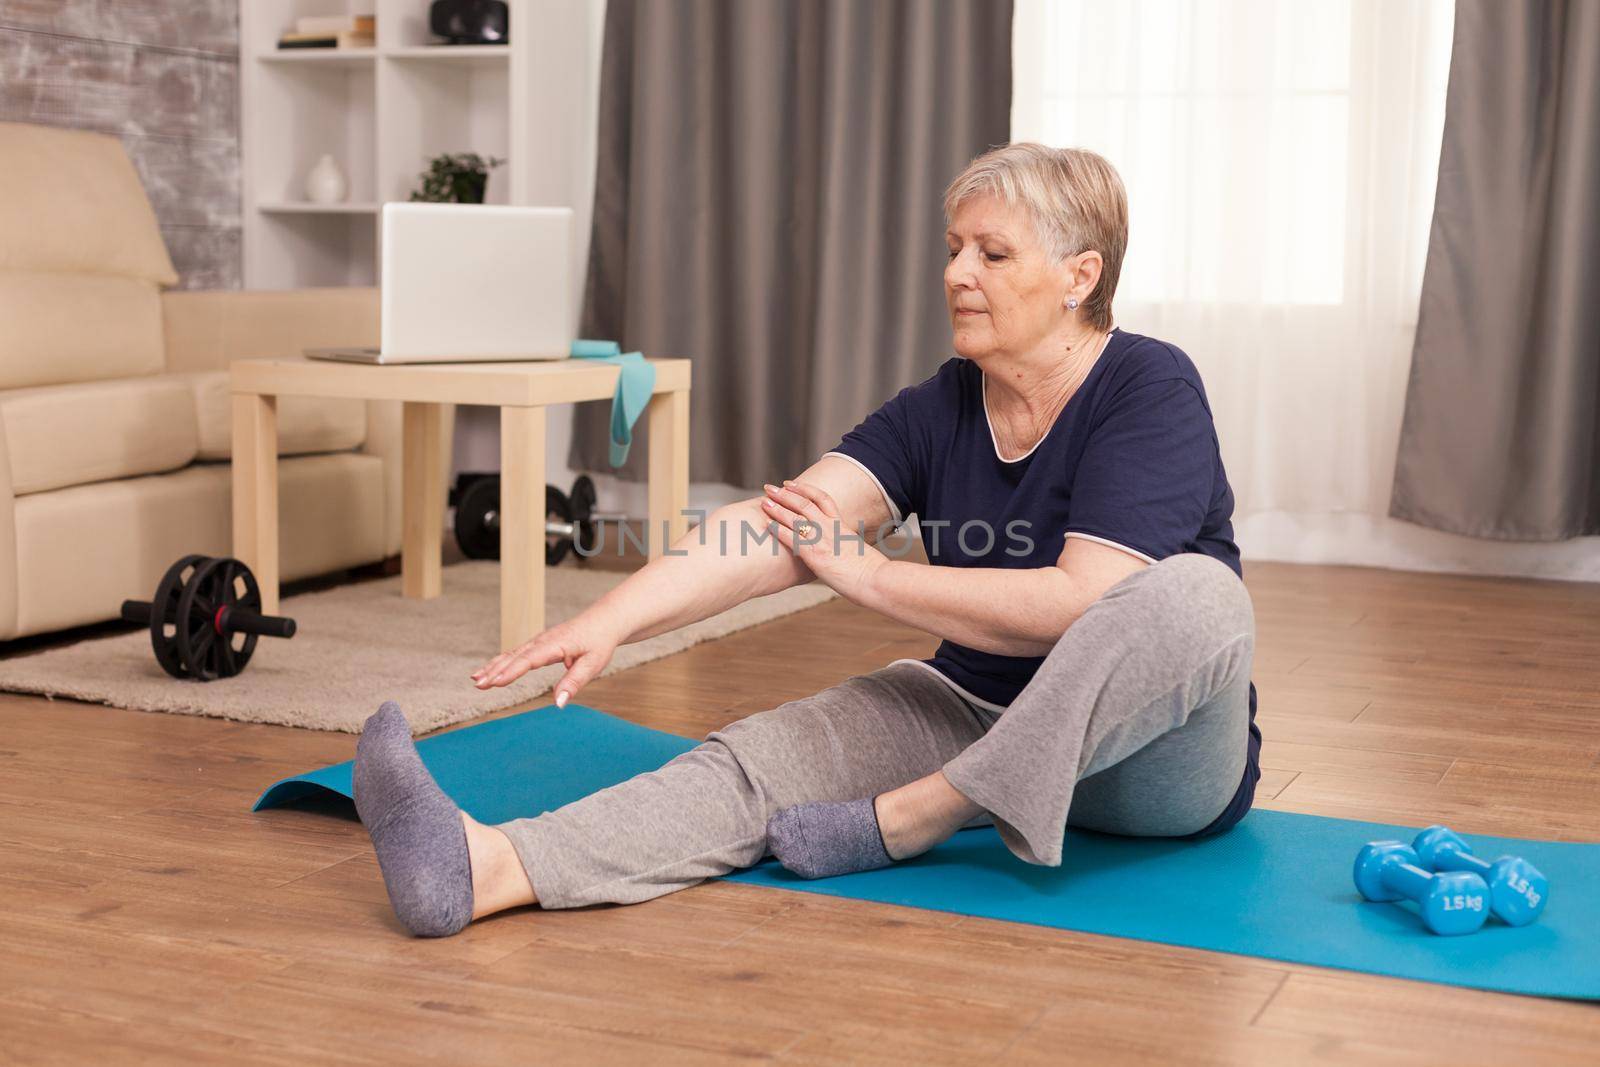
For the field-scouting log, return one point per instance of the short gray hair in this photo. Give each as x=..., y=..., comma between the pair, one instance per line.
x=1074, y=196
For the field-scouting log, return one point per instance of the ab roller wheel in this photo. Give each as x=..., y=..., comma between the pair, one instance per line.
x=205, y=618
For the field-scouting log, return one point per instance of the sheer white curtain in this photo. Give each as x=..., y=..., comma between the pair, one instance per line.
x=1280, y=158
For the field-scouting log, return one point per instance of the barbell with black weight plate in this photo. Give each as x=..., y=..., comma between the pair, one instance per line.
x=570, y=520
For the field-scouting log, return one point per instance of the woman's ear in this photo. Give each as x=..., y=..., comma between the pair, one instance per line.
x=1083, y=277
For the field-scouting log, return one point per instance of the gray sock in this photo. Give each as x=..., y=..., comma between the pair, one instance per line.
x=822, y=840
x=415, y=828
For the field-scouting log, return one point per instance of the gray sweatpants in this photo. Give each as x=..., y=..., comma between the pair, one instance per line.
x=1135, y=723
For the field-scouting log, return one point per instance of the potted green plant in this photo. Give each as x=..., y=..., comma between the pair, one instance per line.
x=455, y=178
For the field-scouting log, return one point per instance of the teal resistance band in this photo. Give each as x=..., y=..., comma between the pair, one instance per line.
x=634, y=386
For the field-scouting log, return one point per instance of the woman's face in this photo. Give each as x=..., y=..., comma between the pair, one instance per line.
x=1004, y=294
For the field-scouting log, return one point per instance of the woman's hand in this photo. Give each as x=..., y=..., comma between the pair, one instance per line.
x=808, y=524
x=582, y=643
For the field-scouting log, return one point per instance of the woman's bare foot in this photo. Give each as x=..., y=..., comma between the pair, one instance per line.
x=921, y=814
x=498, y=878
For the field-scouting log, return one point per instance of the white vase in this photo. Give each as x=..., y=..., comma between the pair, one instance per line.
x=325, y=182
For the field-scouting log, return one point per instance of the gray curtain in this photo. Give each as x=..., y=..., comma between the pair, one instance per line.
x=1501, y=437
x=768, y=204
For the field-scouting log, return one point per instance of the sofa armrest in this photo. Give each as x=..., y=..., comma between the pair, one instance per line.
x=208, y=329
x=8, y=542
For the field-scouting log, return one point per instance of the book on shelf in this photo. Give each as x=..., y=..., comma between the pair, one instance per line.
x=322, y=40
x=329, y=25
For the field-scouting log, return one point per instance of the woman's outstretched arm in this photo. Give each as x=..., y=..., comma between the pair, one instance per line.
x=728, y=559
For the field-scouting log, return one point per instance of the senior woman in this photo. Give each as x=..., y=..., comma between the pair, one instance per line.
x=1095, y=667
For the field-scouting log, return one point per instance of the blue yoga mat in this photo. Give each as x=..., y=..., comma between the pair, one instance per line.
x=1276, y=886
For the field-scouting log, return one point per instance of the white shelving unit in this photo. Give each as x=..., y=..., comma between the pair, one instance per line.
x=383, y=112
x=347, y=207
x=334, y=57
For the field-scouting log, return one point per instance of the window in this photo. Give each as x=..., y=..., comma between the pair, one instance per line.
x=1247, y=133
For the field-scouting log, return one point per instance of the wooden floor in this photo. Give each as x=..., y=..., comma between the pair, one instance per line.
x=149, y=917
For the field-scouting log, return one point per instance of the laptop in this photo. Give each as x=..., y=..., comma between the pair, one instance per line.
x=466, y=283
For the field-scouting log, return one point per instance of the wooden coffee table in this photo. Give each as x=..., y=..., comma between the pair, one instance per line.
x=521, y=391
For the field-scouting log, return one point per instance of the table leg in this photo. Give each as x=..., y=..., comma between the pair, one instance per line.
x=522, y=433
x=668, y=484
x=422, y=499
x=255, y=491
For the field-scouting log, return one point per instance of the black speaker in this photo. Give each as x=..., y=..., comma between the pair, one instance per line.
x=470, y=21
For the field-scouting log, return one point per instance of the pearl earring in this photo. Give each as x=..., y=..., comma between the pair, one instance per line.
x=1072, y=305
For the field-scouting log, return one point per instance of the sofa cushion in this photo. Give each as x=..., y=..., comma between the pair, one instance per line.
x=61, y=435
x=76, y=327
x=71, y=202
x=306, y=424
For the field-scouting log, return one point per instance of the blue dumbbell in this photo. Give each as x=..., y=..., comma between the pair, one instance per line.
x=1517, y=891
x=1456, y=902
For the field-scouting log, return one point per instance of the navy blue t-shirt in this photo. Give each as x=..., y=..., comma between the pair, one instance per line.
x=1131, y=461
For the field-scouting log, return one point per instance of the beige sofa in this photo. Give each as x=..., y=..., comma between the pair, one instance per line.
x=114, y=408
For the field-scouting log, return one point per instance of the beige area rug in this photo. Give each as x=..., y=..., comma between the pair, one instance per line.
x=361, y=644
